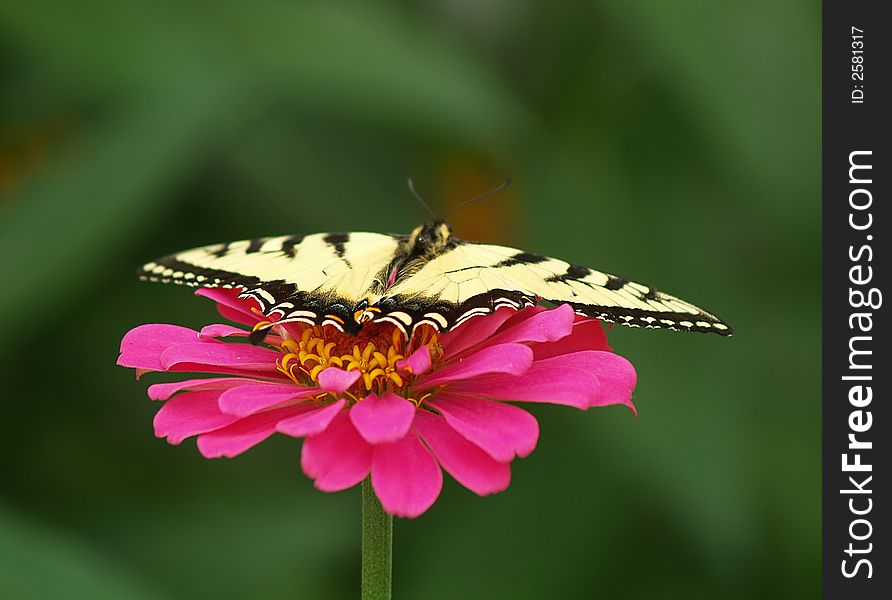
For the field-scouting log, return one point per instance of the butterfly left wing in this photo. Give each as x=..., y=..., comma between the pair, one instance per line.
x=316, y=278
x=473, y=279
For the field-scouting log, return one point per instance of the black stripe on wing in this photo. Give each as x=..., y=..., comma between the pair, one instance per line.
x=409, y=312
x=338, y=243
x=171, y=270
x=701, y=322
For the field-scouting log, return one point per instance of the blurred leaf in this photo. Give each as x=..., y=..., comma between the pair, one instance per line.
x=42, y=563
x=98, y=197
x=366, y=62
x=747, y=95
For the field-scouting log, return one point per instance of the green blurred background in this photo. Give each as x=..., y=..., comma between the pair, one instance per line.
x=677, y=143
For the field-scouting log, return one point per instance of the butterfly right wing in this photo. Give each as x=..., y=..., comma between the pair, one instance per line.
x=471, y=279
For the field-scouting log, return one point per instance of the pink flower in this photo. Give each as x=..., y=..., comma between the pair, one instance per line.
x=375, y=403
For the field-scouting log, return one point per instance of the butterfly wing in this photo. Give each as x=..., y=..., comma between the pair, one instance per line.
x=472, y=279
x=303, y=278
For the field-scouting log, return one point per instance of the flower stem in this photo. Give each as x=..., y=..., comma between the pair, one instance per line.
x=377, y=546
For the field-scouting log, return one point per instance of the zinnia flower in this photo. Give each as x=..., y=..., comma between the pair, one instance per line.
x=375, y=403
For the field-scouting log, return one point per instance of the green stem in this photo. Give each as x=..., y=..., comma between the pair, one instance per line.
x=377, y=546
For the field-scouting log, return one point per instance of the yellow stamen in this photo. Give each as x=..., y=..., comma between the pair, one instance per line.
x=287, y=359
x=309, y=351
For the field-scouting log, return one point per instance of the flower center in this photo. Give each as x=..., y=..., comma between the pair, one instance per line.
x=375, y=352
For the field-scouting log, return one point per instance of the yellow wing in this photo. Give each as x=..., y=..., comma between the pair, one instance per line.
x=291, y=277
x=473, y=279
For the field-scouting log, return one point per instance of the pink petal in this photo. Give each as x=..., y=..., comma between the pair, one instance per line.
x=222, y=330
x=501, y=430
x=467, y=463
x=197, y=356
x=229, y=297
x=418, y=363
x=382, y=419
x=190, y=414
x=540, y=326
x=238, y=316
x=587, y=334
x=251, y=398
x=243, y=434
x=473, y=332
x=338, y=458
x=218, y=330
x=512, y=359
x=311, y=422
x=231, y=306
x=163, y=391
x=616, y=375
x=405, y=477
x=142, y=346
x=522, y=315
x=618, y=378
x=337, y=380
x=554, y=384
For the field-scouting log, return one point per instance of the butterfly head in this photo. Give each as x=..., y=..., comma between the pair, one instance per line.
x=429, y=239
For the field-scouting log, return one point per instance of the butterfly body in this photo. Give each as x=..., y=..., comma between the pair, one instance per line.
x=427, y=277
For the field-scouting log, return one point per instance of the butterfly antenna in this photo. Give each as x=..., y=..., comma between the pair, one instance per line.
x=418, y=197
x=494, y=190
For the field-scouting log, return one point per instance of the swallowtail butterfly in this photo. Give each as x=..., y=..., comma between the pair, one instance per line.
x=427, y=277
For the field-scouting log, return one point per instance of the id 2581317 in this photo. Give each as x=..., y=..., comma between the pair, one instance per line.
x=857, y=65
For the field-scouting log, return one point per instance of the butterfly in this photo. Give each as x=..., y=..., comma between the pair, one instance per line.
x=426, y=277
